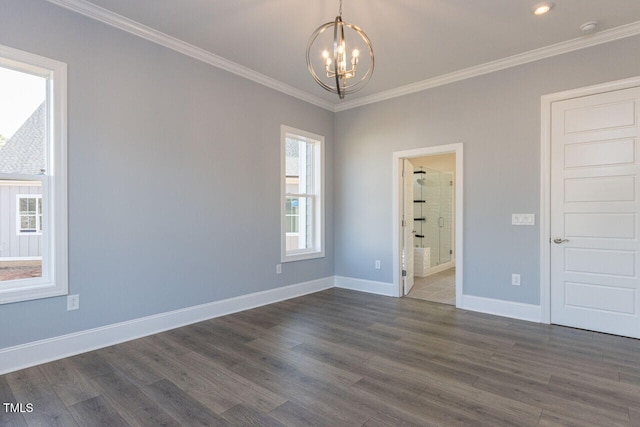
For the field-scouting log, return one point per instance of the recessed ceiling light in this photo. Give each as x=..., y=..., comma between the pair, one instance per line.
x=542, y=8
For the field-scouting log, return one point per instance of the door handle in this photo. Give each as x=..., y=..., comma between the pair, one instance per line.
x=558, y=241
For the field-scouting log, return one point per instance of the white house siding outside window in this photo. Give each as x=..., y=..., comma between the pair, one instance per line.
x=302, y=195
x=29, y=214
x=33, y=181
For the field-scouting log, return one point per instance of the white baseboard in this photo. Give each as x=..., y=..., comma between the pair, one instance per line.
x=437, y=269
x=514, y=310
x=373, y=287
x=35, y=353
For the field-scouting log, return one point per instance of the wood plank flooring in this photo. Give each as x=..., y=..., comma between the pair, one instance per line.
x=338, y=358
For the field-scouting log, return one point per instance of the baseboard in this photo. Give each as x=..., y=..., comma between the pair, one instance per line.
x=514, y=310
x=373, y=287
x=437, y=269
x=38, y=352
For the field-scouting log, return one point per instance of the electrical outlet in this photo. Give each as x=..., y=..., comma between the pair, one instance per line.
x=377, y=264
x=278, y=268
x=515, y=279
x=73, y=302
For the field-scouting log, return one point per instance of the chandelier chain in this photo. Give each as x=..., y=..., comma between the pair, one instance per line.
x=340, y=9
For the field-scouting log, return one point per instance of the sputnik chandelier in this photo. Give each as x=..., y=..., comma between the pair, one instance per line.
x=339, y=78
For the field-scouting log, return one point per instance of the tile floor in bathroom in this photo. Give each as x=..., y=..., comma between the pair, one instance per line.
x=439, y=287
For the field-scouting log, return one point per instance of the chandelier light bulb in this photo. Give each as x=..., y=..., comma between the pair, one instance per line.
x=325, y=54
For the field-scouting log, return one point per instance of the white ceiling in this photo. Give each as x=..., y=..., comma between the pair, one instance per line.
x=413, y=40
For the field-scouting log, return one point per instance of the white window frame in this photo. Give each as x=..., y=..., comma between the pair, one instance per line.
x=317, y=250
x=19, y=215
x=55, y=277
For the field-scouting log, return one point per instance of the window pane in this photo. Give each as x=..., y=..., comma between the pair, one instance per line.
x=308, y=169
x=16, y=270
x=292, y=224
x=24, y=222
x=291, y=220
x=22, y=122
x=292, y=157
x=307, y=222
x=300, y=221
x=23, y=205
x=299, y=166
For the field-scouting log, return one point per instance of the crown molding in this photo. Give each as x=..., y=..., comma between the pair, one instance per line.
x=605, y=36
x=105, y=16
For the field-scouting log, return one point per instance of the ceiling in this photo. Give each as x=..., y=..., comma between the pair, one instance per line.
x=413, y=40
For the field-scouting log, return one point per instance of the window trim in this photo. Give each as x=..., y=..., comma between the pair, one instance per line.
x=19, y=215
x=318, y=250
x=55, y=270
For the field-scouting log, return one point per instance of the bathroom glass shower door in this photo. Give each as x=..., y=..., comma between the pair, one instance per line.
x=433, y=192
x=445, y=219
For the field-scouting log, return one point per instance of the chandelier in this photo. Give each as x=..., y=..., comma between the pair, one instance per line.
x=342, y=76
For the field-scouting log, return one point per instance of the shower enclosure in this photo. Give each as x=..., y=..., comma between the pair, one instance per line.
x=433, y=214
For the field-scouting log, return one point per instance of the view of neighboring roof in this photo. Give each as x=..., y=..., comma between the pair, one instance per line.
x=24, y=151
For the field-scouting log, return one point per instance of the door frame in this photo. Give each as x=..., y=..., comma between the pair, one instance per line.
x=396, y=175
x=545, y=178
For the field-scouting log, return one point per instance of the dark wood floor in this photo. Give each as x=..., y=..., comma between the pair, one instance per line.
x=336, y=358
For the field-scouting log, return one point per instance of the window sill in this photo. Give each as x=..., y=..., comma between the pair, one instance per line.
x=301, y=256
x=21, y=292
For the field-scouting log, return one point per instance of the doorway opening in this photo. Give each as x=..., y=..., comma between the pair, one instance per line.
x=428, y=223
x=433, y=228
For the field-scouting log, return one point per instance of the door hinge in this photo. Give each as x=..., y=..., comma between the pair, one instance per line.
x=404, y=273
x=404, y=223
x=450, y=251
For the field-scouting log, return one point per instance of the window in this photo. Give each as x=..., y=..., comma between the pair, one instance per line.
x=33, y=182
x=29, y=214
x=302, y=195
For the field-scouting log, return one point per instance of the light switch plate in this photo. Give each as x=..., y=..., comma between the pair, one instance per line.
x=523, y=219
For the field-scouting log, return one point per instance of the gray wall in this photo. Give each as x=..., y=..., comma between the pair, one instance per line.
x=497, y=117
x=169, y=159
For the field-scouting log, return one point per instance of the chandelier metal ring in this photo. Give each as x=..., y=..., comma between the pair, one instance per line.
x=336, y=67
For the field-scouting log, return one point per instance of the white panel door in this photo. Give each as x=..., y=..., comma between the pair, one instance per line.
x=407, y=225
x=594, y=212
